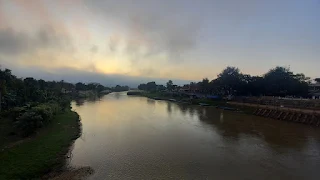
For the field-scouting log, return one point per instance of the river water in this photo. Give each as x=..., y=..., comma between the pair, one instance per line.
x=138, y=138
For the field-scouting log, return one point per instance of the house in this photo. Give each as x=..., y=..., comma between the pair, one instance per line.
x=314, y=90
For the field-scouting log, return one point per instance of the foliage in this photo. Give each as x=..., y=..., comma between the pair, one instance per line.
x=28, y=106
x=119, y=88
x=43, y=152
x=17, y=92
x=170, y=85
x=29, y=119
x=152, y=86
x=28, y=122
x=64, y=103
x=279, y=81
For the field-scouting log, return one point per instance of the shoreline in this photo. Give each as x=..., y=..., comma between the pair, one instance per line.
x=44, y=155
x=219, y=104
x=304, y=116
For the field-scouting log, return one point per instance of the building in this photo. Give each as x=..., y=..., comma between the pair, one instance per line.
x=314, y=90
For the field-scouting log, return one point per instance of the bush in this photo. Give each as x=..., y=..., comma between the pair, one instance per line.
x=15, y=112
x=64, y=103
x=31, y=118
x=45, y=111
x=28, y=122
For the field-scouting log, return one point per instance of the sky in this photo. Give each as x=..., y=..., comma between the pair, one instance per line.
x=126, y=41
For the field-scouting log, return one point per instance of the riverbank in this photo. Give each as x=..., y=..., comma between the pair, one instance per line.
x=218, y=103
x=41, y=153
x=305, y=116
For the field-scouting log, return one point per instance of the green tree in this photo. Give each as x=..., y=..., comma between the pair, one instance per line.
x=81, y=86
x=205, y=85
x=170, y=85
x=142, y=87
x=230, y=80
x=280, y=81
x=151, y=86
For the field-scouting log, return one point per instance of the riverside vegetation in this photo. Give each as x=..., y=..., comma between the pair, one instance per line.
x=232, y=84
x=37, y=125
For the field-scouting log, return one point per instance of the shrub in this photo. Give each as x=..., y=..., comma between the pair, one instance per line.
x=29, y=119
x=64, y=103
x=45, y=111
x=28, y=122
x=14, y=113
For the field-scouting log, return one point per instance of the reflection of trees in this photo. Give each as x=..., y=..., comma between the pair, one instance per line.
x=117, y=95
x=93, y=99
x=79, y=102
x=151, y=102
x=183, y=108
x=169, y=108
x=276, y=134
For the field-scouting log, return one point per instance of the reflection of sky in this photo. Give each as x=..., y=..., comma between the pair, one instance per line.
x=160, y=39
x=134, y=136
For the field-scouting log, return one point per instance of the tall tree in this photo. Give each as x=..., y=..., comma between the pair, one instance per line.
x=151, y=86
x=229, y=80
x=280, y=81
x=170, y=85
x=205, y=85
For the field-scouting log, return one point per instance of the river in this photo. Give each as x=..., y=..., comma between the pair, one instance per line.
x=126, y=137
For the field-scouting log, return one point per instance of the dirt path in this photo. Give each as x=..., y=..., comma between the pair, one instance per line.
x=276, y=107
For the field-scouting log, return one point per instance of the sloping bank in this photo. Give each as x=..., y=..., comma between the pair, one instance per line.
x=45, y=152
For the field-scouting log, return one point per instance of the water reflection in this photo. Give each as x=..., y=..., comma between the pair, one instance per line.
x=82, y=101
x=138, y=138
x=79, y=102
x=221, y=117
x=277, y=134
x=151, y=102
x=117, y=95
x=169, y=108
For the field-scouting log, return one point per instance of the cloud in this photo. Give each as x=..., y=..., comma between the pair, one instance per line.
x=12, y=42
x=152, y=27
x=15, y=43
x=94, y=49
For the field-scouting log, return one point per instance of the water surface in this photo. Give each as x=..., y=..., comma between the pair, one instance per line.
x=137, y=138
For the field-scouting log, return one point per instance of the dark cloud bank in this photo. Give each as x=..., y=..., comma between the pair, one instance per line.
x=13, y=43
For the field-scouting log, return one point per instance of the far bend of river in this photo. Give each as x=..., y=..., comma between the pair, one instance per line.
x=138, y=138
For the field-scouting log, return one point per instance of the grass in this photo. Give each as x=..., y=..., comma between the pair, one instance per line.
x=7, y=134
x=44, y=152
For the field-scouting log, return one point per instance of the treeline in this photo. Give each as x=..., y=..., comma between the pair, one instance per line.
x=19, y=92
x=151, y=86
x=31, y=103
x=119, y=88
x=279, y=81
